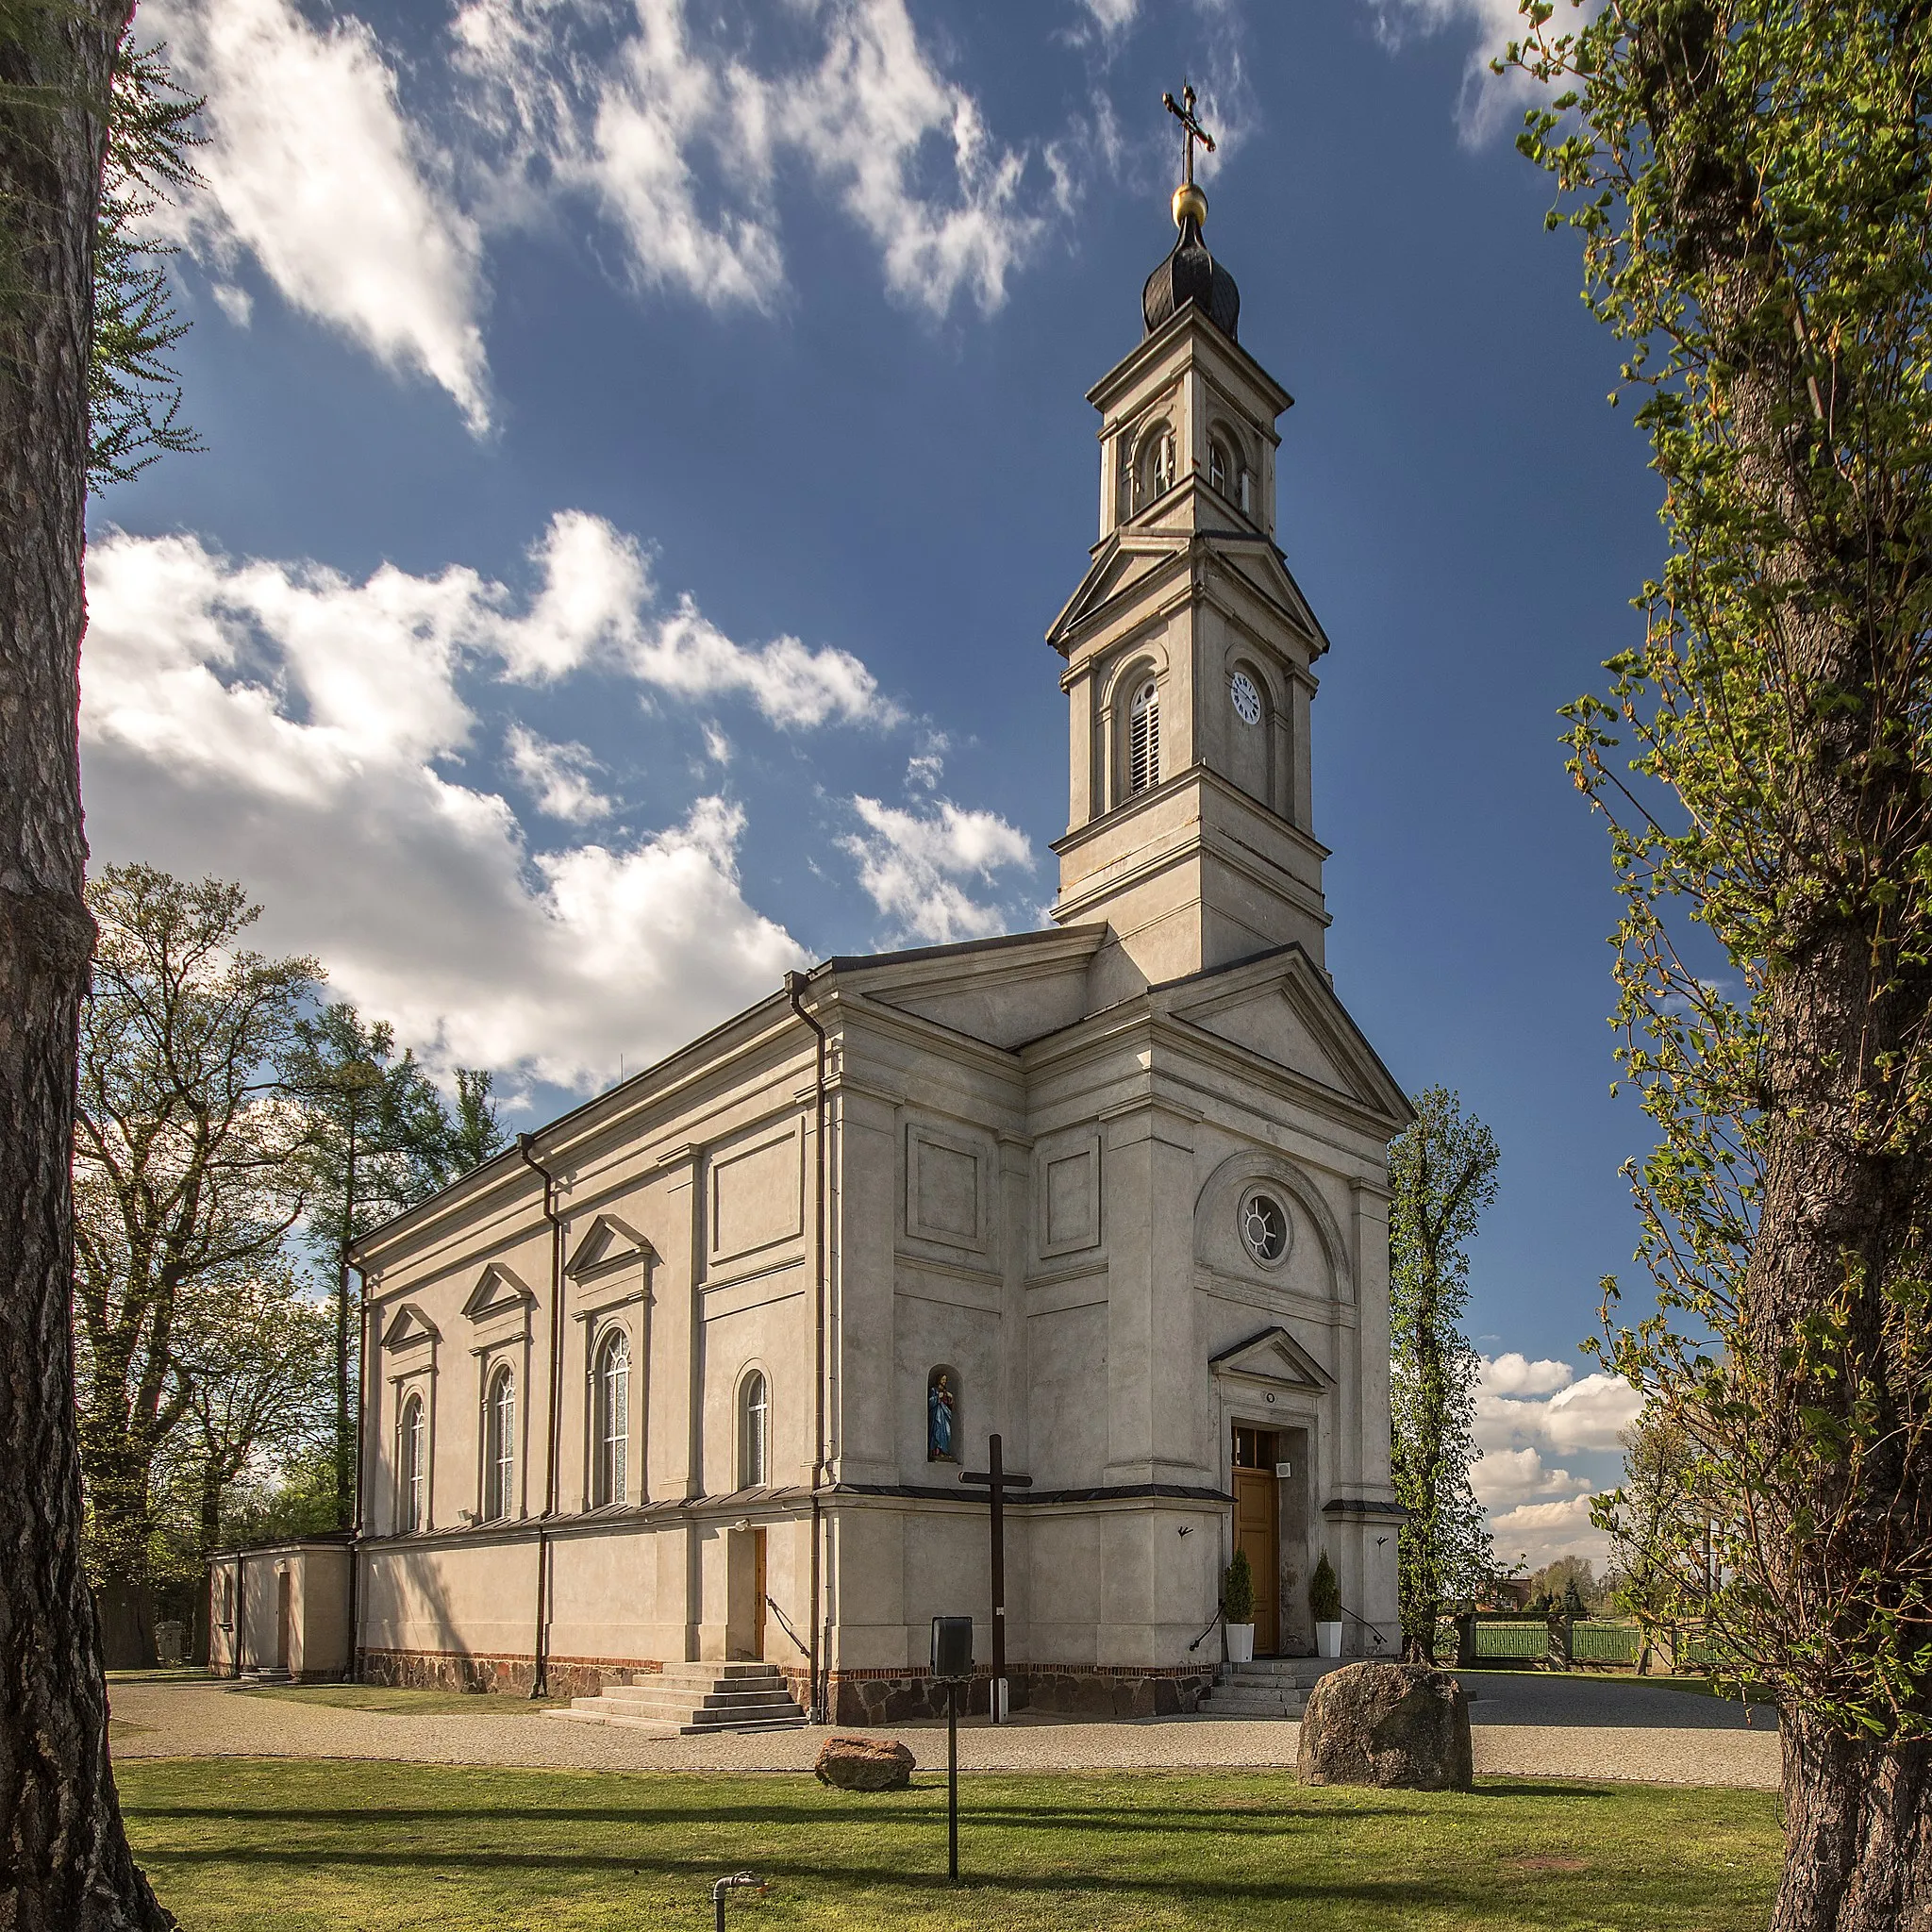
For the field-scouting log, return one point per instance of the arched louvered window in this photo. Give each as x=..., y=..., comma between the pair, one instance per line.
x=1161, y=465
x=414, y=1465
x=499, y=1445
x=754, y=1433
x=1143, y=740
x=1219, y=468
x=611, y=1482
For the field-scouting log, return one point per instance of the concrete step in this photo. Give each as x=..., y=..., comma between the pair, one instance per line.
x=1287, y=1704
x=690, y=1700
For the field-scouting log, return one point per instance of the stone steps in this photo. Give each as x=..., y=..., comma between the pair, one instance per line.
x=1274, y=1687
x=690, y=1700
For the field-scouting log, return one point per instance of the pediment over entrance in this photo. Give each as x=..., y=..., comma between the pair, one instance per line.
x=1273, y=1356
x=408, y=1328
x=609, y=1243
x=497, y=1291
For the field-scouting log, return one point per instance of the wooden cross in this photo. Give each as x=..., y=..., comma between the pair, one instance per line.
x=998, y=1480
x=1191, y=130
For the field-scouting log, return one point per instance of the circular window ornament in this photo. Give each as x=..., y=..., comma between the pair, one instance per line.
x=1265, y=1226
x=1246, y=698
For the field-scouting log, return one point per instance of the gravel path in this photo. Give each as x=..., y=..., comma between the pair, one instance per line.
x=1657, y=1743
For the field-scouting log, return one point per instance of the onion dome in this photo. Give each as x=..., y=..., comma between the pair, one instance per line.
x=1190, y=273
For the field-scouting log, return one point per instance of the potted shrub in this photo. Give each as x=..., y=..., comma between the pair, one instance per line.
x=1325, y=1603
x=1238, y=1607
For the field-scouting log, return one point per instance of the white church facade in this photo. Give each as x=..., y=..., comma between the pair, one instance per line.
x=692, y=1373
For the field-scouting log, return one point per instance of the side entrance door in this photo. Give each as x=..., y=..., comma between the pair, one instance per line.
x=758, y=1586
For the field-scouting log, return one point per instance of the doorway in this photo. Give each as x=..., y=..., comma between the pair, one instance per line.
x=1257, y=1528
x=284, y=1603
x=746, y=1587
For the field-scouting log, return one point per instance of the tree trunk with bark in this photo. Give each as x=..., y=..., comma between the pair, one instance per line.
x=66, y=1866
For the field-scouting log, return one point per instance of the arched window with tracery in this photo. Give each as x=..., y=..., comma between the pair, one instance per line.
x=610, y=1479
x=413, y=1470
x=1143, y=740
x=754, y=1433
x=499, y=1445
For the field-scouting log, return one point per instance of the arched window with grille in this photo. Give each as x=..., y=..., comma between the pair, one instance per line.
x=499, y=1445
x=1143, y=740
x=413, y=1466
x=610, y=1479
x=754, y=1433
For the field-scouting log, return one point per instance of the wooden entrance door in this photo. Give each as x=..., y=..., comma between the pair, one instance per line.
x=757, y=1583
x=1257, y=1530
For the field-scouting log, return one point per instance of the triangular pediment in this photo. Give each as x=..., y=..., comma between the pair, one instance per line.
x=1273, y=1356
x=1131, y=559
x=1283, y=1009
x=1121, y=562
x=1003, y=991
x=498, y=1289
x=408, y=1328
x=609, y=1242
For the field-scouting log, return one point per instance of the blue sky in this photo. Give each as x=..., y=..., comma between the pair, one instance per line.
x=646, y=447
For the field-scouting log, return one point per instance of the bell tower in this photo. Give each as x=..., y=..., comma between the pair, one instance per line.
x=1188, y=651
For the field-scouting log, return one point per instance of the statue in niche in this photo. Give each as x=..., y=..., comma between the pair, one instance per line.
x=939, y=1417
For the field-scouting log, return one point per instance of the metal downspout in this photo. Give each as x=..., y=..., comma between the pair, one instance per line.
x=354, y=1673
x=539, y=1684
x=820, y=1666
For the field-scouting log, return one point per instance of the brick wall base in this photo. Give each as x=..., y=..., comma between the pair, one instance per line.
x=858, y=1698
x=1096, y=1690
x=506, y=1677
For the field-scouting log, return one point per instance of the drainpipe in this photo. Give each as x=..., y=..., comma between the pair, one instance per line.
x=539, y=1684
x=354, y=1673
x=821, y=1697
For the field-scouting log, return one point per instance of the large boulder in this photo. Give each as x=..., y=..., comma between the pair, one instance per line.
x=864, y=1764
x=1399, y=1726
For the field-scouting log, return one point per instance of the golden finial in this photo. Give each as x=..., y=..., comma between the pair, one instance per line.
x=1188, y=199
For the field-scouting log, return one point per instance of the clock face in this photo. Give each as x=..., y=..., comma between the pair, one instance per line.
x=1247, y=699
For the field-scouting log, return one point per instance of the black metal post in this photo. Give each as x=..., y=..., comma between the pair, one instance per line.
x=953, y=1782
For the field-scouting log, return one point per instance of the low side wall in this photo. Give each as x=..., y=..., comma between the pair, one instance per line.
x=1096, y=1690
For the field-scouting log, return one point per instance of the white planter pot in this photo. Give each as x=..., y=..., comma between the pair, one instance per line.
x=1328, y=1639
x=1241, y=1643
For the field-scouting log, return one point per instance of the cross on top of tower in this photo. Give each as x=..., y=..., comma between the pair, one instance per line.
x=1191, y=130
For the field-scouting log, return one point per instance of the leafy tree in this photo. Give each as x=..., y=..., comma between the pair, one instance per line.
x=1441, y=1176
x=1752, y=181
x=256, y=1373
x=66, y=1863
x=184, y=1179
x=380, y=1140
x=1570, y=1576
x=1660, y=1532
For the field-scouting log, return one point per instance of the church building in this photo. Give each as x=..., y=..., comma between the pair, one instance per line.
x=690, y=1376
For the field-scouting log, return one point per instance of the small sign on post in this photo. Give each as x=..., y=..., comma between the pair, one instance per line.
x=952, y=1665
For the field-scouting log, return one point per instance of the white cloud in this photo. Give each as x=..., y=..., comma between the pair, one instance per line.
x=684, y=145
x=1542, y=1404
x=312, y=168
x=790, y=684
x=1113, y=16
x=1527, y=1412
x=560, y=774
x=917, y=867
x=1539, y=1533
x=717, y=746
x=1489, y=102
x=1504, y=1477
x=283, y=725
x=1516, y=1374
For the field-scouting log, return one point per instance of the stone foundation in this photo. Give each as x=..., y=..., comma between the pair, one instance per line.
x=1096, y=1690
x=505, y=1676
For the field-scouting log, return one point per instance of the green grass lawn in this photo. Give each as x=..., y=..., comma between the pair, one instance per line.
x=247, y=1842
x=403, y=1702
x=1690, y=1687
